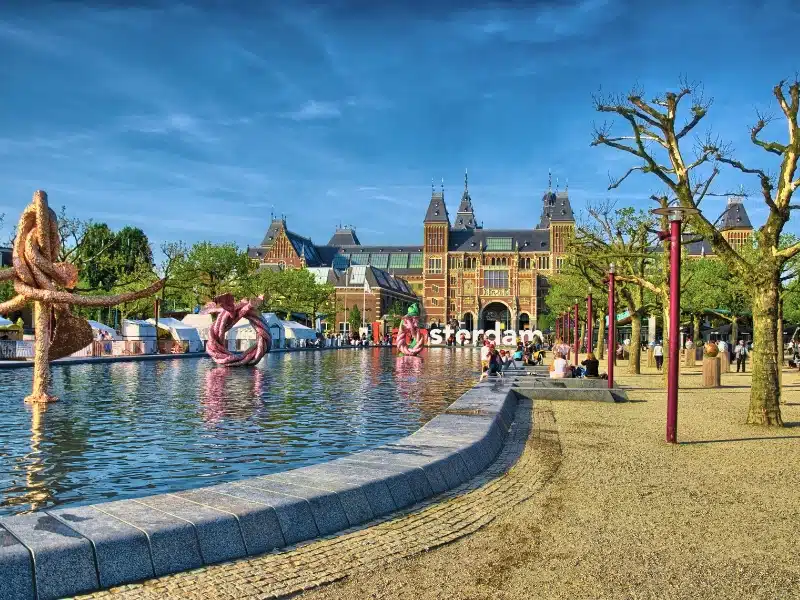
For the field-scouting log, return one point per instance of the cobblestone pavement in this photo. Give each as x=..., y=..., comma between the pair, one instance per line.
x=530, y=457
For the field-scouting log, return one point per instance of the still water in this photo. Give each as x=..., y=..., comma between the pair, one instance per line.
x=130, y=429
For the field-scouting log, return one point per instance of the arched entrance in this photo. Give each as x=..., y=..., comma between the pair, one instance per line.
x=524, y=321
x=494, y=313
x=468, y=322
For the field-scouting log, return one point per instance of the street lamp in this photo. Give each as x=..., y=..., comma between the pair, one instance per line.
x=675, y=213
x=589, y=322
x=577, y=340
x=612, y=321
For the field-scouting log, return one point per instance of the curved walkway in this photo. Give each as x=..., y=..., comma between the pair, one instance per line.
x=530, y=457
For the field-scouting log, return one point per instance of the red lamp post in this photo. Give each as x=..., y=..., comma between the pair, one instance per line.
x=558, y=327
x=577, y=335
x=589, y=323
x=675, y=214
x=612, y=321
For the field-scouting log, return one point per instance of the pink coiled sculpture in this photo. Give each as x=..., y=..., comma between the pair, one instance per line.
x=48, y=284
x=228, y=314
x=409, y=336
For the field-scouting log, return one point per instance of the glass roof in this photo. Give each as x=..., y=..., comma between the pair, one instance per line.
x=357, y=275
x=341, y=261
x=379, y=260
x=499, y=243
x=399, y=261
x=360, y=259
x=416, y=261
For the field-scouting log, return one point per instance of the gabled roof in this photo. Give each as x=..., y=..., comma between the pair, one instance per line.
x=301, y=244
x=437, y=210
x=527, y=240
x=344, y=236
x=555, y=207
x=735, y=216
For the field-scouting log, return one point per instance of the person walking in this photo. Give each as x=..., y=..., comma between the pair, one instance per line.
x=658, y=354
x=741, y=353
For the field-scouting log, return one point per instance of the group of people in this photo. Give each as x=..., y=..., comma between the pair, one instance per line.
x=561, y=369
x=740, y=352
x=495, y=362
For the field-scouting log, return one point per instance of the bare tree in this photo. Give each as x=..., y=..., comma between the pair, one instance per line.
x=658, y=140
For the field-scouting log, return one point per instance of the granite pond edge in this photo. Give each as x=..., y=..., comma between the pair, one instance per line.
x=62, y=552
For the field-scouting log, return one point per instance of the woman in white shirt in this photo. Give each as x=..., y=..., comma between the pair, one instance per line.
x=558, y=370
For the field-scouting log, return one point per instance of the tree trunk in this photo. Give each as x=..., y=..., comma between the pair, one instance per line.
x=696, y=330
x=765, y=391
x=635, y=349
x=735, y=332
x=601, y=336
x=583, y=337
x=779, y=341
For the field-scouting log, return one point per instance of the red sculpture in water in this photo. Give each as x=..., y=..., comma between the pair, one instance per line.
x=409, y=335
x=228, y=314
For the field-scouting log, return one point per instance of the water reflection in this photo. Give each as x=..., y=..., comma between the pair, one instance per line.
x=128, y=429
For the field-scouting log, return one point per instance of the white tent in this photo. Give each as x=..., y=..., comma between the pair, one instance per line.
x=244, y=331
x=140, y=331
x=298, y=331
x=200, y=322
x=180, y=332
x=98, y=327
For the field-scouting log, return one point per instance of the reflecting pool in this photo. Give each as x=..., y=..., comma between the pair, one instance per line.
x=129, y=429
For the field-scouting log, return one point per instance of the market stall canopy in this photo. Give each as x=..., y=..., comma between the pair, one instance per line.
x=244, y=331
x=97, y=327
x=293, y=329
x=181, y=332
x=5, y=322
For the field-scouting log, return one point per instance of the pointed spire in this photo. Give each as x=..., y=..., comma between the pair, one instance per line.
x=566, y=185
x=433, y=188
x=442, y=185
x=549, y=180
x=556, y=184
x=466, y=182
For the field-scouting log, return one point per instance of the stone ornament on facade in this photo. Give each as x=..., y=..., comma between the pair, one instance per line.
x=38, y=278
x=409, y=335
x=228, y=314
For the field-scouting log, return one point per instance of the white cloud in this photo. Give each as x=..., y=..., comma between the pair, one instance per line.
x=313, y=109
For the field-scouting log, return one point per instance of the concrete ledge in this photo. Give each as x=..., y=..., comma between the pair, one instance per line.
x=571, y=389
x=67, y=551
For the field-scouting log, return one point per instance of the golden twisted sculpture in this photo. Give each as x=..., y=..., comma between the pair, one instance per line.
x=39, y=279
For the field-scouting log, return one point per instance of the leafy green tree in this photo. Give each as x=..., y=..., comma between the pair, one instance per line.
x=208, y=270
x=354, y=319
x=395, y=313
x=657, y=141
x=624, y=237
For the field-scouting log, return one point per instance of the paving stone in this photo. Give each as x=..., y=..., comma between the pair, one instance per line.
x=218, y=532
x=173, y=541
x=16, y=569
x=398, y=482
x=353, y=499
x=121, y=550
x=294, y=514
x=417, y=480
x=398, y=455
x=377, y=485
x=258, y=522
x=63, y=558
x=326, y=507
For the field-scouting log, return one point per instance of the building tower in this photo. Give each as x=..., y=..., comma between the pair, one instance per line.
x=735, y=225
x=465, y=218
x=434, y=258
x=557, y=217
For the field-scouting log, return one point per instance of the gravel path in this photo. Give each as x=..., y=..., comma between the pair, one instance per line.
x=628, y=516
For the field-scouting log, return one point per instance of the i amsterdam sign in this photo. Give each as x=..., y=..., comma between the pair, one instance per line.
x=496, y=292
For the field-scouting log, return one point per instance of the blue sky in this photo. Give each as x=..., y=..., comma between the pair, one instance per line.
x=192, y=122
